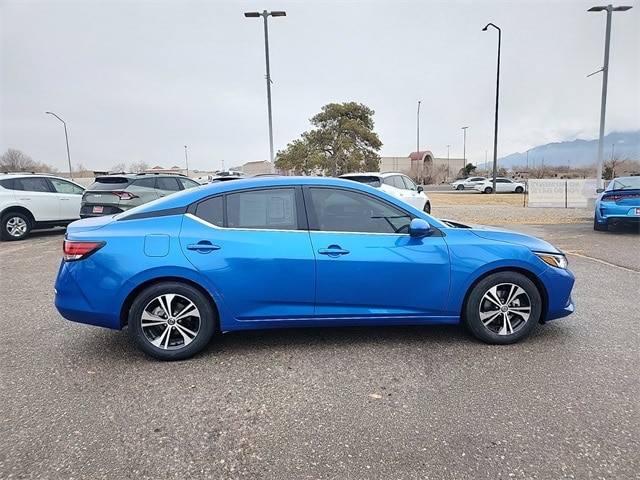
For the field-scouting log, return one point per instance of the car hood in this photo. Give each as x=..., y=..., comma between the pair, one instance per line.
x=507, y=236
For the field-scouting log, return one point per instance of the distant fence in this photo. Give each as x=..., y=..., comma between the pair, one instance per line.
x=561, y=193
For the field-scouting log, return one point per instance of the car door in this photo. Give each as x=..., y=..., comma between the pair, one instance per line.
x=405, y=191
x=35, y=194
x=367, y=263
x=70, y=196
x=253, y=248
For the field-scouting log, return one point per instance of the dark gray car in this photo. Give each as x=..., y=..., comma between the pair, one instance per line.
x=116, y=193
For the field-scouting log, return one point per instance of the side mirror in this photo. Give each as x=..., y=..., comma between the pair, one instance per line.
x=600, y=190
x=419, y=228
x=420, y=189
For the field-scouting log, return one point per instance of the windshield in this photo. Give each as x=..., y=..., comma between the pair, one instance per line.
x=625, y=183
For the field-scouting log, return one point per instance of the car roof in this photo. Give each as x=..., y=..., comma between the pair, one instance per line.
x=183, y=198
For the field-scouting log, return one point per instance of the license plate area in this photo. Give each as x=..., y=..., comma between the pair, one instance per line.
x=100, y=209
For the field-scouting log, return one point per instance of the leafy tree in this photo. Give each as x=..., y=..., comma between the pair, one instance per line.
x=344, y=141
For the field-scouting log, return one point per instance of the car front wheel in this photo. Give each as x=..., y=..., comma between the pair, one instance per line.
x=15, y=226
x=519, y=189
x=460, y=187
x=502, y=308
x=427, y=207
x=488, y=190
x=172, y=321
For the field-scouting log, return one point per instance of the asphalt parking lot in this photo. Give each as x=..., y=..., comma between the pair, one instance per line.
x=80, y=402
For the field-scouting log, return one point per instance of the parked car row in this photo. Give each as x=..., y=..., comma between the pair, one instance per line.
x=485, y=185
x=29, y=200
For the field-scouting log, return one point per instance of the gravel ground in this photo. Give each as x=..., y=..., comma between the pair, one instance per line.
x=509, y=214
x=500, y=209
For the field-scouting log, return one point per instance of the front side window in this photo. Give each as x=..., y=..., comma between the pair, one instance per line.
x=187, y=183
x=338, y=210
x=62, y=186
x=409, y=183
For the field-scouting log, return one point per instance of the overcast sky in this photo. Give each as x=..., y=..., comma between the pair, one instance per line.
x=137, y=81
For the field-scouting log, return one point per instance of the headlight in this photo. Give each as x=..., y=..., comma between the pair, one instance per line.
x=553, y=259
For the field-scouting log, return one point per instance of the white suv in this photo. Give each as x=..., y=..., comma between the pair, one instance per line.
x=396, y=184
x=29, y=201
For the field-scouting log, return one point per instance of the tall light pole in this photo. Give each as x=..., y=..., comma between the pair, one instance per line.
x=464, y=148
x=186, y=159
x=448, y=146
x=495, y=128
x=418, y=140
x=265, y=15
x=605, y=77
x=66, y=137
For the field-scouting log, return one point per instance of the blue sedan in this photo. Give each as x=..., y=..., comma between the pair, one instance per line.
x=277, y=252
x=618, y=204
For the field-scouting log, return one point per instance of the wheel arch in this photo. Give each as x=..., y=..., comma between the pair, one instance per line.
x=19, y=209
x=544, y=295
x=128, y=302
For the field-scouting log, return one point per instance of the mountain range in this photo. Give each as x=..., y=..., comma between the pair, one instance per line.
x=577, y=153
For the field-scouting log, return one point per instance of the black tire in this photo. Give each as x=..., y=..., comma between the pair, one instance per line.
x=172, y=335
x=460, y=187
x=488, y=190
x=519, y=189
x=502, y=308
x=598, y=227
x=427, y=207
x=15, y=226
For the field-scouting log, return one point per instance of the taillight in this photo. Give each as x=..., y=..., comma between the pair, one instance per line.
x=124, y=195
x=73, y=250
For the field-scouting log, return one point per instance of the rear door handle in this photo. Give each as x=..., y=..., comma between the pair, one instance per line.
x=333, y=251
x=203, y=246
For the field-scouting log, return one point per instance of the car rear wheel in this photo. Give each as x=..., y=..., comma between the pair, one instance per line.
x=172, y=321
x=488, y=190
x=503, y=308
x=15, y=226
x=599, y=227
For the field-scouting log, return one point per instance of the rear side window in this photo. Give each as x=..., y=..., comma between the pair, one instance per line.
x=7, y=183
x=32, y=184
x=272, y=209
x=144, y=183
x=168, y=183
x=211, y=210
x=263, y=209
x=395, y=181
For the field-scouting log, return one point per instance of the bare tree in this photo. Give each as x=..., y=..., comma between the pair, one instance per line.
x=120, y=167
x=139, y=167
x=16, y=161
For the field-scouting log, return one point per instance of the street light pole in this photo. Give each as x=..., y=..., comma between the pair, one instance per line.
x=448, y=163
x=66, y=137
x=186, y=160
x=495, y=128
x=418, y=141
x=464, y=148
x=265, y=15
x=605, y=77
